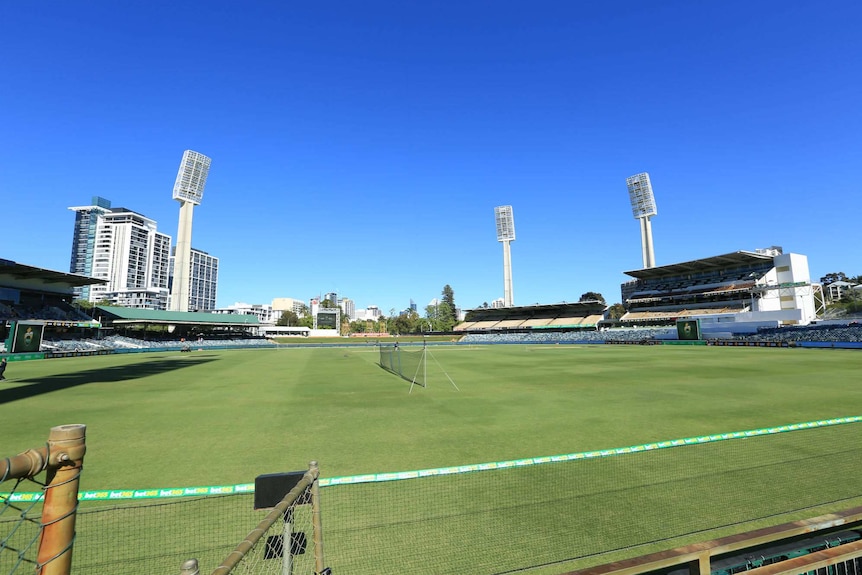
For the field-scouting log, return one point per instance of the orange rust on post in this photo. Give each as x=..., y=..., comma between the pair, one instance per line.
x=66, y=448
x=26, y=464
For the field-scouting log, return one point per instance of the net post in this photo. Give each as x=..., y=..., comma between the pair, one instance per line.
x=316, y=520
x=66, y=448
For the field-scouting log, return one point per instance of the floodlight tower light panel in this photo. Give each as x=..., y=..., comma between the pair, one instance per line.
x=505, y=223
x=191, y=177
x=641, y=196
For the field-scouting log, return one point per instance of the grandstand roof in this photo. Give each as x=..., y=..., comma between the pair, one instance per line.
x=15, y=275
x=125, y=315
x=733, y=259
x=575, y=309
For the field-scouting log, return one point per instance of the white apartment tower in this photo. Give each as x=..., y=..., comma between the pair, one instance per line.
x=84, y=241
x=348, y=306
x=129, y=253
x=203, y=280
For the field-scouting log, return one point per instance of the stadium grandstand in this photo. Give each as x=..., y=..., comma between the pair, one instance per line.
x=36, y=296
x=560, y=317
x=38, y=315
x=765, y=288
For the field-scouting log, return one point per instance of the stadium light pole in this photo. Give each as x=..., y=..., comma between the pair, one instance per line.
x=188, y=191
x=506, y=234
x=643, y=208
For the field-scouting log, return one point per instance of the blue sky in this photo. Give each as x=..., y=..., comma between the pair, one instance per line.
x=361, y=147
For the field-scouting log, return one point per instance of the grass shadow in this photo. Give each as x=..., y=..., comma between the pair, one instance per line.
x=153, y=366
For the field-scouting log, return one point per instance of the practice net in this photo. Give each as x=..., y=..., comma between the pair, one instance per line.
x=408, y=364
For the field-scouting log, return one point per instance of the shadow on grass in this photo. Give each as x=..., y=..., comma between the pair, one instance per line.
x=32, y=387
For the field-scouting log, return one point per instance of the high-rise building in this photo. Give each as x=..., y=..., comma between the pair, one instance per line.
x=348, y=306
x=84, y=240
x=188, y=191
x=203, y=280
x=128, y=252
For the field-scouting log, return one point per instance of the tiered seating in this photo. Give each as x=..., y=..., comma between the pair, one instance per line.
x=509, y=323
x=566, y=321
x=537, y=322
x=465, y=326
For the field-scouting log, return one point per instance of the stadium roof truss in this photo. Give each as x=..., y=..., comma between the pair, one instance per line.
x=128, y=316
x=538, y=311
x=734, y=259
x=20, y=276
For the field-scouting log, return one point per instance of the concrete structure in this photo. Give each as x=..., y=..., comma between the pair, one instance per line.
x=84, y=241
x=730, y=293
x=188, y=191
x=506, y=235
x=839, y=289
x=128, y=253
x=203, y=280
x=643, y=209
x=263, y=312
x=348, y=306
x=283, y=304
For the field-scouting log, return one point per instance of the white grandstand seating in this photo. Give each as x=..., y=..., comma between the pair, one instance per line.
x=485, y=324
x=566, y=321
x=536, y=322
x=510, y=323
x=464, y=326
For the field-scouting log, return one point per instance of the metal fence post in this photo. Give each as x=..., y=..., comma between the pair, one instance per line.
x=316, y=521
x=66, y=448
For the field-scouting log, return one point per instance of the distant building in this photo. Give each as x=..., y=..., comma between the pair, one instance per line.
x=202, y=278
x=283, y=304
x=124, y=249
x=348, y=306
x=332, y=297
x=839, y=289
x=371, y=312
x=263, y=312
x=84, y=241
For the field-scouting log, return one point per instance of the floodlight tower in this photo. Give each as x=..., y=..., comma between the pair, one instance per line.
x=643, y=208
x=506, y=234
x=188, y=191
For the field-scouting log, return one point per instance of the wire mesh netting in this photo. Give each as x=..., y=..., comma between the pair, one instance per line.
x=286, y=547
x=511, y=519
x=20, y=528
x=515, y=517
x=406, y=363
x=156, y=537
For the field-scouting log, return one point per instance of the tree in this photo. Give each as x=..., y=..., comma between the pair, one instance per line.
x=449, y=296
x=831, y=278
x=288, y=318
x=616, y=311
x=592, y=296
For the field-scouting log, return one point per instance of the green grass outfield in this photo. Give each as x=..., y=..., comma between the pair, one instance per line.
x=223, y=417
